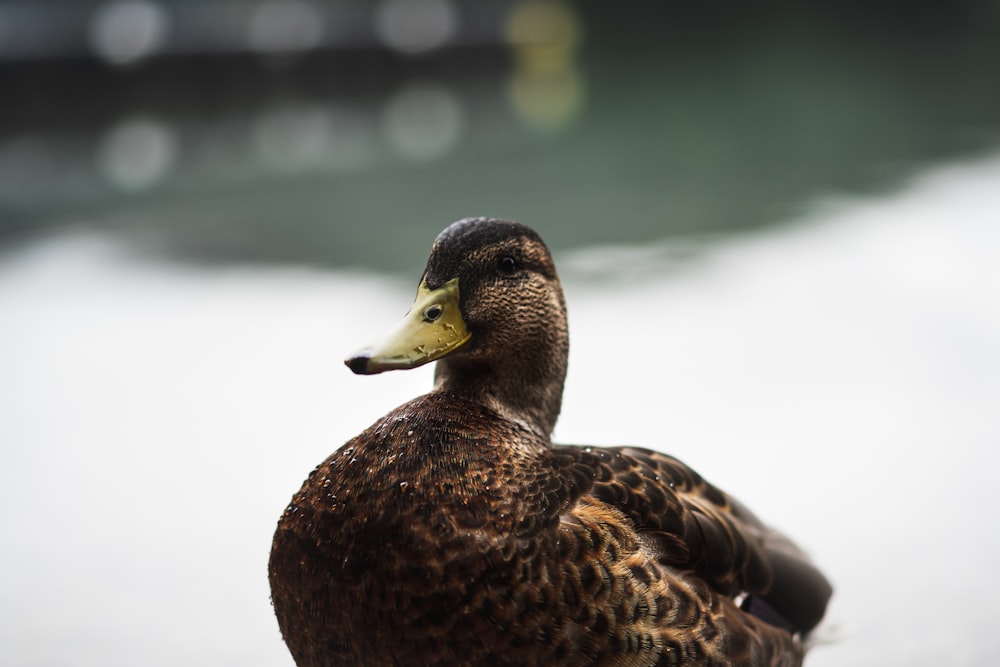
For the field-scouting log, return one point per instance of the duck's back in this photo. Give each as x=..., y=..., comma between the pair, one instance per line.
x=445, y=534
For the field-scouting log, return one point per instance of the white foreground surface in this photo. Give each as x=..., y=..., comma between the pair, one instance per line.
x=841, y=376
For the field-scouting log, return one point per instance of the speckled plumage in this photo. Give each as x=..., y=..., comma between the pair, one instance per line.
x=453, y=532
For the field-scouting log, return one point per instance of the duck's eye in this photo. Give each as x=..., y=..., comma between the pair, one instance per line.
x=507, y=265
x=432, y=313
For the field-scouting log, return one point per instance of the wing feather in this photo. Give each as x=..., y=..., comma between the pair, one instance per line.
x=694, y=526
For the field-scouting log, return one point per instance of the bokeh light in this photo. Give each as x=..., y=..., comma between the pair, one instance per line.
x=423, y=122
x=546, y=89
x=137, y=153
x=283, y=27
x=127, y=31
x=544, y=34
x=415, y=26
x=293, y=137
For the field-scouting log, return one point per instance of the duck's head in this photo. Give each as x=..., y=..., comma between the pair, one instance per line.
x=490, y=310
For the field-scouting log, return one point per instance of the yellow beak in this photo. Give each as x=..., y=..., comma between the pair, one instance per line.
x=431, y=329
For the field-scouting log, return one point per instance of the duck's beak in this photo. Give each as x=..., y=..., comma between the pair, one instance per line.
x=431, y=329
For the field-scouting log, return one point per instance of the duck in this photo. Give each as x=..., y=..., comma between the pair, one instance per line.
x=453, y=531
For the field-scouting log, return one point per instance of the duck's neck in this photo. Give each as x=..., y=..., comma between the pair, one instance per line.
x=525, y=388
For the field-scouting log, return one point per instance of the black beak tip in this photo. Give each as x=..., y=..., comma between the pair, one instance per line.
x=359, y=363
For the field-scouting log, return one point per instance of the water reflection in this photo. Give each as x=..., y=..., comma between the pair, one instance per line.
x=840, y=375
x=423, y=122
x=282, y=125
x=294, y=137
x=137, y=153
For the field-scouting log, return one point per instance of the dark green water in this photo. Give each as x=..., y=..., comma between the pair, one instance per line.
x=658, y=123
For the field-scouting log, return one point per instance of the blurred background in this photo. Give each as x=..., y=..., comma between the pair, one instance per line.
x=206, y=204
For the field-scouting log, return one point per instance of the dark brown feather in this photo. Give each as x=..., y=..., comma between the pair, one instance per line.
x=445, y=534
